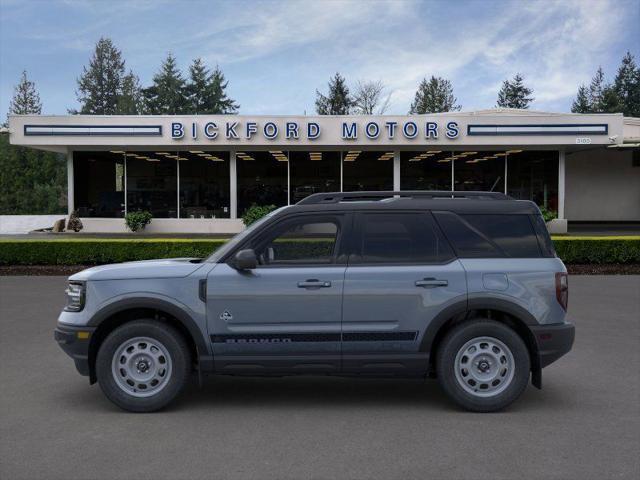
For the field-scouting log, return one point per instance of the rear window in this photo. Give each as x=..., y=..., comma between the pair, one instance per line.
x=492, y=236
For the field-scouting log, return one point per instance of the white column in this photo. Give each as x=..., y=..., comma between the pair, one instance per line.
x=561, y=181
x=70, y=190
x=341, y=171
x=396, y=171
x=233, y=185
x=288, y=179
x=506, y=172
x=177, y=188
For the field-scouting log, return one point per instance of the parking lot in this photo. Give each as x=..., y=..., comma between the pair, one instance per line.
x=584, y=424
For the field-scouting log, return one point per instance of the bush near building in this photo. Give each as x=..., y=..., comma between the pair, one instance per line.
x=572, y=250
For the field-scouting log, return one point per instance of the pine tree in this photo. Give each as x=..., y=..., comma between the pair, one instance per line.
x=433, y=96
x=206, y=91
x=338, y=100
x=100, y=84
x=514, y=94
x=218, y=86
x=596, y=92
x=167, y=95
x=130, y=100
x=25, y=98
x=627, y=86
x=581, y=103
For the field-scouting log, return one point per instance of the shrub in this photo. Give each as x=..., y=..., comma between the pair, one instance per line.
x=547, y=214
x=598, y=250
x=74, y=222
x=256, y=212
x=137, y=220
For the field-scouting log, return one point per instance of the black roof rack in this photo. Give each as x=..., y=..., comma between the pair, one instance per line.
x=337, y=197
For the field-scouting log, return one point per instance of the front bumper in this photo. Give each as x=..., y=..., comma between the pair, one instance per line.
x=75, y=343
x=553, y=341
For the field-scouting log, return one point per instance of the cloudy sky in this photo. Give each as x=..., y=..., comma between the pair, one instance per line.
x=275, y=54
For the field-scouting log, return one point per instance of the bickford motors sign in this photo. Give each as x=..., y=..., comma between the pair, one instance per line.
x=309, y=130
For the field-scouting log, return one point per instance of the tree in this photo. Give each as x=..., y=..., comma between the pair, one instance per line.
x=370, y=98
x=596, y=92
x=514, y=94
x=338, y=100
x=99, y=86
x=581, y=104
x=130, y=100
x=25, y=98
x=433, y=96
x=627, y=86
x=205, y=91
x=167, y=94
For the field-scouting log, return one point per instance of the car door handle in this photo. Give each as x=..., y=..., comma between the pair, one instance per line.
x=431, y=283
x=313, y=283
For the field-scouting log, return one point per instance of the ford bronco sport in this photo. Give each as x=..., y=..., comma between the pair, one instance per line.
x=462, y=286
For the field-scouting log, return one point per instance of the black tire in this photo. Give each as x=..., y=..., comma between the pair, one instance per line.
x=176, y=348
x=456, y=339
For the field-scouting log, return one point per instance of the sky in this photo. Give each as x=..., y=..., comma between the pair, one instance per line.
x=275, y=54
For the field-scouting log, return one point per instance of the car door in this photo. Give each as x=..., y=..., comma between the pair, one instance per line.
x=285, y=315
x=401, y=274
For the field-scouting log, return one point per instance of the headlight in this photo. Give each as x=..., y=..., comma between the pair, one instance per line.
x=75, y=296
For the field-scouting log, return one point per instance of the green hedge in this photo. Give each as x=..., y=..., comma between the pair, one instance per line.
x=598, y=250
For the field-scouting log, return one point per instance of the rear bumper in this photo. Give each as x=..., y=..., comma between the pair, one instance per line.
x=553, y=341
x=75, y=343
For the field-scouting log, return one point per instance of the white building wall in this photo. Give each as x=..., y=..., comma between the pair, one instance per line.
x=10, y=224
x=602, y=186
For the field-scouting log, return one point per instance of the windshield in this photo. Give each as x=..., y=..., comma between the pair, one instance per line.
x=239, y=238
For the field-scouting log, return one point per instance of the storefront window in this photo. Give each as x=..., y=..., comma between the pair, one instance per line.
x=204, y=184
x=262, y=179
x=99, y=184
x=313, y=172
x=533, y=175
x=367, y=171
x=152, y=183
x=479, y=170
x=425, y=170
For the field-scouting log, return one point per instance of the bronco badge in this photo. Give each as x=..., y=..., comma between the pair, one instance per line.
x=226, y=316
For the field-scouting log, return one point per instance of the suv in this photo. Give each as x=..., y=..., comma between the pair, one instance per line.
x=462, y=286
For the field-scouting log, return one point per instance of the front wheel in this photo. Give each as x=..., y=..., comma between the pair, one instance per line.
x=143, y=365
x=483, y=365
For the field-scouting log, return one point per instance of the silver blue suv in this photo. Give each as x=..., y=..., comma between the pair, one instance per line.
x=462, y=286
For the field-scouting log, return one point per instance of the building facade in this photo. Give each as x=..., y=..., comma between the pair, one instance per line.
x=201, y=173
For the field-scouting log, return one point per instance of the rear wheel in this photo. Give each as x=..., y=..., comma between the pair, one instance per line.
x=143, y=365
x=483, y=365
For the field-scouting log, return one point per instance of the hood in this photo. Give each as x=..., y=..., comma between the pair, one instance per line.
x=165, y=268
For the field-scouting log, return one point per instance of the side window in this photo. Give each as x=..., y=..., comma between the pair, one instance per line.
x=400, y=238
x=468, y=242
x=303, y=241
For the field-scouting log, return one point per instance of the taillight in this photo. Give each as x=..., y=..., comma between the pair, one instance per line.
x=562, y=289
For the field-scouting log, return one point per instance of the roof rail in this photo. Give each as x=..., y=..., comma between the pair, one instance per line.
x=337, y=197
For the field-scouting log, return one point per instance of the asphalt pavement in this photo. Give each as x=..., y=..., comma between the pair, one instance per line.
x=583, y=424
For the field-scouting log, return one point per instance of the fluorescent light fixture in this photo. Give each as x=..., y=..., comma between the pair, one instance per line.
x=514, y=151
x=500, y=154
x=153, y=159
x=141, y=157
x=434, y=151
x=166, y=154
x=444, y=160
x=117, y=151
x=196, y=151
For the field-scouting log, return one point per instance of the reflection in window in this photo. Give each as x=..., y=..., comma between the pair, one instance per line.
x=313, y=172
x=99, y=184
x=262, y=179
x=479, y=171
x=367, y=171
x=152, y=183
x=307, y=241
x=204, y=184
x=425, y=170
x=533, y=175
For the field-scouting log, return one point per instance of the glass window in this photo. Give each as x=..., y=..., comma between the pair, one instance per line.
x=204, y=184
x=99, y=184
x=262, y=179
x=533, y=175
x=425, y=170
x=313, y=172
x=152, y=183
x=308, y=241
x=367, y=171
x=479, y=171
x=400, y=238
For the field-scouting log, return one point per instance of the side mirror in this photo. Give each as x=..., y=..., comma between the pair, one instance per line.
x=245, y=260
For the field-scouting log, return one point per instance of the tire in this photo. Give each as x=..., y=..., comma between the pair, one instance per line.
x=483, y=365
x=143, y=365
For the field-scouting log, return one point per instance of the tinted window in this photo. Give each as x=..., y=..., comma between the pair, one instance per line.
x=490, y=235
x=544, y=240
x=400, y=238
x=305, y=242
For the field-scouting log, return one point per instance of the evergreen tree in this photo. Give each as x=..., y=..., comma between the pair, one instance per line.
x=218, y=86
x=206, y=91
x=627, y=86
x=596, y=92
x=433, y=96
x=338, y=100
x=99, y=86
x=167, y=95
x=581, y=104
x=25, y=98
x=514, y=94
x=130, y=100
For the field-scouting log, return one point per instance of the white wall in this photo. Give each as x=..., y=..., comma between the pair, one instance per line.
x=27, y=223
x=602, y=185
x=165, y=225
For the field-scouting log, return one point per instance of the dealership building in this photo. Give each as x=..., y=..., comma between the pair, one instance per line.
x=200, y=173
